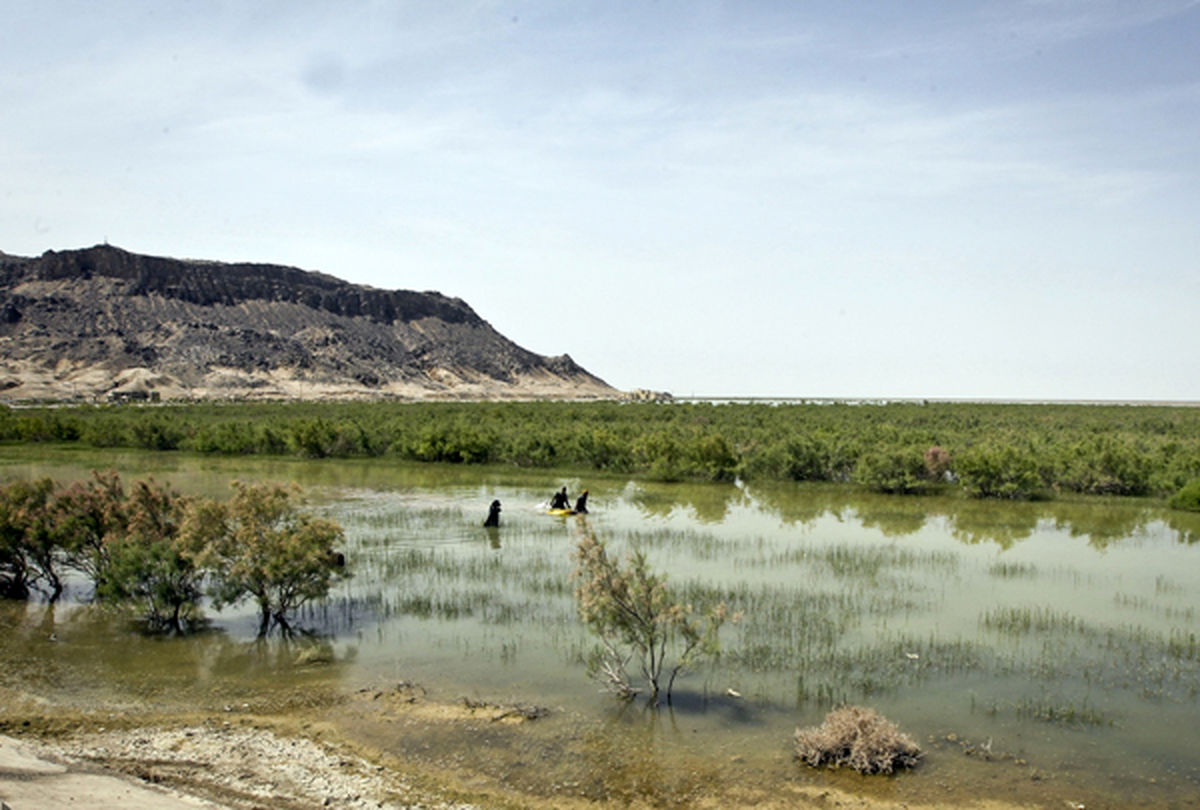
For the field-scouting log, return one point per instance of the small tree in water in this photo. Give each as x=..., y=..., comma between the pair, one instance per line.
x=153, y=562
x=259, y=546
x=88, y=517
x=634, y=613
x=27, y=552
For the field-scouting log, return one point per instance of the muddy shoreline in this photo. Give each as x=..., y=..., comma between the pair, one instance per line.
x=235, y=759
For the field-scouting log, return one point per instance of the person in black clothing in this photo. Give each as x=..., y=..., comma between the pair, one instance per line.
x=560, y=500
x=493, y=518
x=581, y=503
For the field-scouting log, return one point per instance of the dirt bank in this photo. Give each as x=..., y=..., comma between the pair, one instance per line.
x=61, y=757
x=217, y=766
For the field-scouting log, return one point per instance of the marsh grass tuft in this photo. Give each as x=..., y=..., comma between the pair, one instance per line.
x=1026, y=620
x=1061, y=712
x=1012, y=570
x=1069, y=714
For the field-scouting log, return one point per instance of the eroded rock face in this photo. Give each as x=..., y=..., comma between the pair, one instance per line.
x=209, y=283
x=80, y=323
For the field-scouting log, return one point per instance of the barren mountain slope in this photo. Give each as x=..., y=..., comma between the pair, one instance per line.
x=103, y=321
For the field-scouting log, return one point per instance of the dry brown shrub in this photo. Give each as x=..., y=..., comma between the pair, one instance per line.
x=858, y=738
x=937, y=463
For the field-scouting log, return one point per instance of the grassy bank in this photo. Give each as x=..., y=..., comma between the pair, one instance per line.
x=989, y=450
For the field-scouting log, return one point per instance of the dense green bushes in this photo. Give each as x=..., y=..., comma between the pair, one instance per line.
x=163, y=552
x=1000, y=469
x=898, y=470
x=1009, y=451
x=1188, y=497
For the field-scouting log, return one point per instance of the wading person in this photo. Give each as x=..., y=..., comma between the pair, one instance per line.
x=560, y=500
x=493, y=518
x=581, y=503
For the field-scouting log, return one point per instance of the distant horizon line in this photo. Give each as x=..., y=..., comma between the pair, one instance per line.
x=1184, y=403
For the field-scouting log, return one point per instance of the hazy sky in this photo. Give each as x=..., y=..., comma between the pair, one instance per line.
x=827, y=199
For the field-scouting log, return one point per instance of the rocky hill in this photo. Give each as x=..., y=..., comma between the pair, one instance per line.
x=103, y=322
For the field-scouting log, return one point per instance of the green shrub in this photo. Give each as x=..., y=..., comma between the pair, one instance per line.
x=796, y=458
x=1187, y=498
x=1103, y=465
x=1177, y=467
x=451, y=442
x=897, y=470
x=602, y=449
x=313, y=438
x=225, y=437
x=8, y=424
x=660, y=456
x=157, y=434
x=710, y=457
x=999, y=471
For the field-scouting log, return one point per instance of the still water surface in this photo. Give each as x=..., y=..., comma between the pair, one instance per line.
x=1060, y=639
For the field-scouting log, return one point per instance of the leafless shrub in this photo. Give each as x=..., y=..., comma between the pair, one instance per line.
x=636, y=617
x=858, y=738
x=937, y=463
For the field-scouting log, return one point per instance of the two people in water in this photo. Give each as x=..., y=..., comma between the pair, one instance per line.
x=561, y=501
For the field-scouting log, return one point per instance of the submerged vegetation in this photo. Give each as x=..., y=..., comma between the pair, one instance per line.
x=163, y=552
x=989, y=450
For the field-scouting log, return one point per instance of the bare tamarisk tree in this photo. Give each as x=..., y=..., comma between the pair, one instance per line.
x=637, y=618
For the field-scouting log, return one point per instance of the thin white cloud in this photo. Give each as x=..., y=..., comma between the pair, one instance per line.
x=1068, y=20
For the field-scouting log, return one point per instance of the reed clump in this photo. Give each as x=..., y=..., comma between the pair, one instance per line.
x=859, y=738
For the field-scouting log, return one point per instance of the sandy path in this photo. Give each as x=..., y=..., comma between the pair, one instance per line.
x=31, y=778
x=207, y=766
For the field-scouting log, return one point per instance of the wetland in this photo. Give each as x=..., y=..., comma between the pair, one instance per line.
x=1041, y=652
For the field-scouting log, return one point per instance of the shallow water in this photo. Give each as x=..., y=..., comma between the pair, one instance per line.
x=1060, y=639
